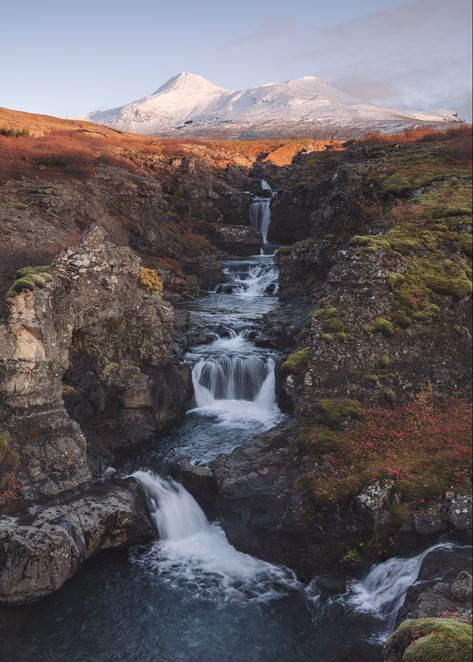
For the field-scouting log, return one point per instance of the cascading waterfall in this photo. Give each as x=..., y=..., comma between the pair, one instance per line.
x=260, y=211
x=232, y=379
x=194, y=554
x=381, y=593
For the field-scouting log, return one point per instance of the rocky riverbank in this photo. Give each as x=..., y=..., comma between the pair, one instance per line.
x=375, y=280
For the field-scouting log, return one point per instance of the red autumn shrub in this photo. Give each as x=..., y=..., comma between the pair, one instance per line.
x=423, y=446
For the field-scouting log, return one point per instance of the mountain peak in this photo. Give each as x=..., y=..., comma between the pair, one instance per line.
x=187, y=80
x=190, y=104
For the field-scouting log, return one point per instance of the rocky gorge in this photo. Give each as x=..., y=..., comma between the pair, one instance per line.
x=364, y=455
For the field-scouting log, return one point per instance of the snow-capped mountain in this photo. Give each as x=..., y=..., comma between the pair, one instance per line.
x=189, y=104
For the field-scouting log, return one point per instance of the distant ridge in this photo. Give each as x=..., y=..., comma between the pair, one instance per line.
x=188, y=104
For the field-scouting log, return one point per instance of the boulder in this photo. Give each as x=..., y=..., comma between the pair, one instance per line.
x=237, y=239
x=443, y=585
x=45, y=546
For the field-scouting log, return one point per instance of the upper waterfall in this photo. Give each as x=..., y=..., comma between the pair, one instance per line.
x=260, y=211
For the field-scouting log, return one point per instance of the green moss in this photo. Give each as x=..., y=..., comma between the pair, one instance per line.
x=324, y=311
x=284, y=250
x=384, y=361
x=394, y=279
x=380, y=325
x=26, y=271
x=389, y=395
x=373, y=378
x=28, y=278
x=297, y=361
x=328, y=337
x=456, y=287
x=341, y=336
x=352, y=555
x=334, y=412
x=333, y=324
x=5, y=439
x=432, y=640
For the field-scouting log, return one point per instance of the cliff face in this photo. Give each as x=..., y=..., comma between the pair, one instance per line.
x=89, y=305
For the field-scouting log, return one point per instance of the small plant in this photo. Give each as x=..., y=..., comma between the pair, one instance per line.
x=351, y=556
x=380, y=325
x=14, y=133
x=297, y=361
x=150, y=280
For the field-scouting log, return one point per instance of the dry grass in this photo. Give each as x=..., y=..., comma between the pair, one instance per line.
x=74, y=147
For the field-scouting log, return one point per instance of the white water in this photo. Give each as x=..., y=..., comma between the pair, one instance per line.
x=195, y=555
x=233, y=380
x=382, y=592
x=260, y=212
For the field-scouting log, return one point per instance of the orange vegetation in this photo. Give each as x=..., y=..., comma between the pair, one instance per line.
x=73, y=147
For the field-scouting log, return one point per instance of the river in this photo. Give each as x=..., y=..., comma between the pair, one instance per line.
x=190, y=596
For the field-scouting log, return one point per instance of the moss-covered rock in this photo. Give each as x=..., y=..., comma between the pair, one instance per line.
x=28, y=278
x=380, y=325
x=430, y=640
x=297, y=361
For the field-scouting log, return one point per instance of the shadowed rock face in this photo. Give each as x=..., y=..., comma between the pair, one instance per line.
x=444, y=584
x=92, y=307
x=237, y=239
x=47, y=545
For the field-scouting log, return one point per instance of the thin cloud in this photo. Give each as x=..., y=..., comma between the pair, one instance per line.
x=418, y=54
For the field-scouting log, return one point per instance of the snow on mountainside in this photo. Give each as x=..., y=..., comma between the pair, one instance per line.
x=189, y=104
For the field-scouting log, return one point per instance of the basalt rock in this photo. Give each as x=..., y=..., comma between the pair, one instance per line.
x=267, y=512
x=444, y=584
x=46, y=545
x=95, y=337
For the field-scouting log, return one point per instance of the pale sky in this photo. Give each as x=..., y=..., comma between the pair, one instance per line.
x=68, y=58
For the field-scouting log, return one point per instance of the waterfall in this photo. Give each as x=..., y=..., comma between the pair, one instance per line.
x=382, y=592
x=234, y=380
x=260, y=211
x=195, y=555
x=175, y=512
x=229, y=378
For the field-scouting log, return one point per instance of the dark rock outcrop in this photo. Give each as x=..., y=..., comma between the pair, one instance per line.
x=239, y=240
x=266, y=511
x=46, y=545
x=444, y=585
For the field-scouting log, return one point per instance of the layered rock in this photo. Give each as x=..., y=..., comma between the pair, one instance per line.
x=47, y=544
x=93, y=319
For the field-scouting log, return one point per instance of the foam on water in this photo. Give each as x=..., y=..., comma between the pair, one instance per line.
x=195, y=555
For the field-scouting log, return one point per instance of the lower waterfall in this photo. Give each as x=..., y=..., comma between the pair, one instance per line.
x=194, y=554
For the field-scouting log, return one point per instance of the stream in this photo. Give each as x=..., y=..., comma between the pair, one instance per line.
x=191, y=596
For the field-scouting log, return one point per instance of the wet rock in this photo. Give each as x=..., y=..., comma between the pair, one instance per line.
x=443, y=584
x=266, y=511
x=44, y=547
x=199, y=480
x=462, y=587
